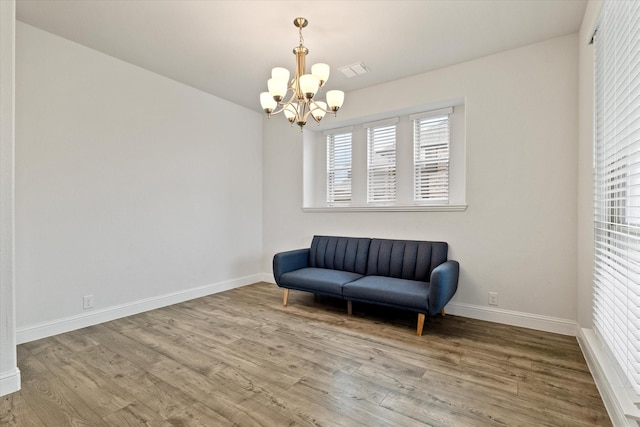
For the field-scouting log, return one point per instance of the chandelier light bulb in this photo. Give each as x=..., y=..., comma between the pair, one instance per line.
x=290, y=112
x=335, y=99
x=318, y=110
x=267, y=102
x=321, y=72
x=277, y=88
x=309, y=85
x=280, y=73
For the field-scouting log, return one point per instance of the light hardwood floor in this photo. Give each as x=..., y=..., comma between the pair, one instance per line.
x=241, y=358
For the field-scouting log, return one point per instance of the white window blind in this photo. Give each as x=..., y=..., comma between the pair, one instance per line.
x=616, y=300
x=431, y=158
x=339, y=168
x=381, y=163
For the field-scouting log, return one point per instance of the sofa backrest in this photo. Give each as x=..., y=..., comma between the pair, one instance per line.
x=405, y=259
x=340, y=253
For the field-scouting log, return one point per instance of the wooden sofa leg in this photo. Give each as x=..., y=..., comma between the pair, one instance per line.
x=442, y=312
x=285, y=297
x=420, y=324
x=349, y=307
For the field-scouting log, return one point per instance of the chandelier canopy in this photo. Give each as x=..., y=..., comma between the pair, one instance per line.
x=302, y=102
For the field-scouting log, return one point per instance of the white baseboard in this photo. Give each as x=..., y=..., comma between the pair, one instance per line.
x=59, y=326
x=616, y=397
x=507, y=317
x=268, y=277
x=9, y=381
x=514, y=318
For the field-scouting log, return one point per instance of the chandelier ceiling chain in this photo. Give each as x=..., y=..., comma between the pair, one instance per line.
x=303, y=87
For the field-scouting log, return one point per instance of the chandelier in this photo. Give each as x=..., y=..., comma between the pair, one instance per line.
x=304, y=87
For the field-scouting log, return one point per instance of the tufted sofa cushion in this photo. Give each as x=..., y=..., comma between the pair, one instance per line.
x=405, y=259
x=339, y=253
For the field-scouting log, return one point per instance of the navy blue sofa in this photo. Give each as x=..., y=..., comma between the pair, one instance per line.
x=407, y=274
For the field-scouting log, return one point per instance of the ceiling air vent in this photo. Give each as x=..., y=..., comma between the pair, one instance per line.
x=354, y=69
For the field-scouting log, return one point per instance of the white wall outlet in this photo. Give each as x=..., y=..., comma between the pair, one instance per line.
x=87, y=302
x=493, y=298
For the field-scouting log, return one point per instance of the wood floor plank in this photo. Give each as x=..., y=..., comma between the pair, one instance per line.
x=184, y=321
x=136, y=414
x=76, y=340
x=564, y=402
x=15, y=412
x=130, y=349
x=198, y=415
x=231, y=403
x=90, y=385
x=306, y=351
x=176, y=346
x=428, y=413
x=501, y=407
x=241, y=358
x=162, y=398
x=262, y=393
x=352, y=412
x=52, y=400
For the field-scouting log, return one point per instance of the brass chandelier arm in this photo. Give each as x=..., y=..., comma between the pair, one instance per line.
x=305, y=116
x=283, y=104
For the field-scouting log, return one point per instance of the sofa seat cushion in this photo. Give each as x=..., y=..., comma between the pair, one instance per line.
x=318, y=280
x=389, y=290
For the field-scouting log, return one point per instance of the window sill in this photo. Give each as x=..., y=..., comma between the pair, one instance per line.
x=395, y=208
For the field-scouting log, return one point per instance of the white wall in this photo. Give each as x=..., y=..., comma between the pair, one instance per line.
x=130, y=187
x=9, y=372
x=518, y=235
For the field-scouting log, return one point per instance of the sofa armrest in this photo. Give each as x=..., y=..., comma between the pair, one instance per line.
x=284, y=262
x=443, y=285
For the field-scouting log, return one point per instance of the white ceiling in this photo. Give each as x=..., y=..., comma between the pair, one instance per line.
x=227, y=48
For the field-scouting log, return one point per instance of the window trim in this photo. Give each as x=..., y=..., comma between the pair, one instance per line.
x=387, y=208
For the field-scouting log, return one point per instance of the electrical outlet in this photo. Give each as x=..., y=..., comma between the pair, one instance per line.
x=493, y=298
x=87, y=301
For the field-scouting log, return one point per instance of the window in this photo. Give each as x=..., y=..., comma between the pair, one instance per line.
x=381, y=163
x=410, y=160
x=431, y=156
x=339, y=168
x=616, y=299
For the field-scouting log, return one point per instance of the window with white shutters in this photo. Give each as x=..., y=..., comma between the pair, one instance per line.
x=413, y=160
x=616, y=299
x=339, y=168
x=431, y=157
x=381, y=163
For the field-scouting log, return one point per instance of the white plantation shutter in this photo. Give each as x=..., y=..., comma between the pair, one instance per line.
x=381, y=162
x=339, y=168
x=616, y=300
x=431, y=157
